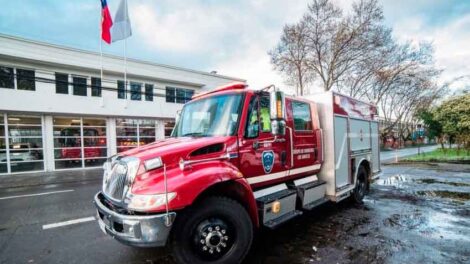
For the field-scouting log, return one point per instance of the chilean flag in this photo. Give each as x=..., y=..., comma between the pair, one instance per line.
x=106, y=22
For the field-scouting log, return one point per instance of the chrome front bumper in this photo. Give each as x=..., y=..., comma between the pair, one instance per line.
x=133, y=230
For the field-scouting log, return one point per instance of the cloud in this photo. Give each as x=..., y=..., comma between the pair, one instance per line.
x=188, y=29
x=234, y=38
x=253, y=65
x=231, y=37
x=451, y=41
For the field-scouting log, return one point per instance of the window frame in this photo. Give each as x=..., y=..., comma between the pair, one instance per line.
x=178, y=98
x=170, y=98
x=12, y=76
x=260, y=96
x=96, y=88
x=121, y=90
x=293, y=117
x=79, y=89
x=149, y=92
x=254, y=103
x=137, y=94
x=188, y=92
x=61, y=82
x=186, y=96
x=28, y=79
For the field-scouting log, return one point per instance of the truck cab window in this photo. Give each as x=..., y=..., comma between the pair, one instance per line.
x=265, y=116
x=209, y=117
x=302, y=116
x=252, y=124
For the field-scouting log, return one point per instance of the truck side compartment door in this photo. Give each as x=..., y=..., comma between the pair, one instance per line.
x=341, y=151
x=263, y=160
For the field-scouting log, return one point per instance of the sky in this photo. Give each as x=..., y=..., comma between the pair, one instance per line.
x=228, y=36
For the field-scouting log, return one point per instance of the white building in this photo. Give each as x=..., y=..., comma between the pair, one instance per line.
x=56, y=113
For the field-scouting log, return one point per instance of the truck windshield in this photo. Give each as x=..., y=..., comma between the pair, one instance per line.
x=212, y=116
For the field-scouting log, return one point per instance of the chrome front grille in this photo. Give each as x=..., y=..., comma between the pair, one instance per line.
x=115, y=180
x=119, y=174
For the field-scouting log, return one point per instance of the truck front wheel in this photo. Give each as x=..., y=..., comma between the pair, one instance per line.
x=216, y=230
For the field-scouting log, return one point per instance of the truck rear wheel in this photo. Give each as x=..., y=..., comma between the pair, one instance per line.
x=361, y=185
x=217, y=230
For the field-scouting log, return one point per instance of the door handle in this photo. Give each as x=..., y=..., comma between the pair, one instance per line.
x=256, y=145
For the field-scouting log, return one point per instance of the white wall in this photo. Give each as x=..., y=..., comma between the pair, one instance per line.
x=47, y=59
x=59, y=55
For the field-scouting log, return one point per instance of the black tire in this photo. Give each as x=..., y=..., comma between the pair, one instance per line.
x=361, y=186
x=216, y=223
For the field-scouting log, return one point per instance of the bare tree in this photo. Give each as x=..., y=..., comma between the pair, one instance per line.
x=327, y=46
x=355, y=54
x=290, y=57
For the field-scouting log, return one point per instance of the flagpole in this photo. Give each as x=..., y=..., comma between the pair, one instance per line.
x=125, y=59
x=101, y=68
x=125, y=72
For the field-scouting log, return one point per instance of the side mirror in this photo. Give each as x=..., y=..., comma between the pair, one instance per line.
x=278, y=113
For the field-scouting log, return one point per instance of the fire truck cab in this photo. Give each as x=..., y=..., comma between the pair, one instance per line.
x=238, y=160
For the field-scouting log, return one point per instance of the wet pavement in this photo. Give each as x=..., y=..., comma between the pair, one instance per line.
x=411, y=215
x=417, y=214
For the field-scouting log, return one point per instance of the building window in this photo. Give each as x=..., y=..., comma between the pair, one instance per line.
x=184, y=95
x=136, y=91
x=169, y=126
x=170, y=95
x=148, y=92
x=61, y=83
x=25, y=144
x=6, y=78
x=178, y=95
x=95, y=86
x=25, y=80
x=79, y=142
x=131, y=133
x=121, y=90
x=79, y=86
x=302, y=116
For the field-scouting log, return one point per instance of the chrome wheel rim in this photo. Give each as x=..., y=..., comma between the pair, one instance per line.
x=213, y=238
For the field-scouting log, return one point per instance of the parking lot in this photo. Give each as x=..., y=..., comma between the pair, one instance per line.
x=412, y=214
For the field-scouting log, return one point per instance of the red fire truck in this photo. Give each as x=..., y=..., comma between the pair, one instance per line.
x=238, y=160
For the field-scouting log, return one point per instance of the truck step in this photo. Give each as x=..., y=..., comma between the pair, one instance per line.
x=316, y=203
x=272, y=224
x=276, y=204
x=311, y=191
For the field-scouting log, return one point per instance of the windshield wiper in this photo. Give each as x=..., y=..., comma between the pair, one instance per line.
x=194, y=134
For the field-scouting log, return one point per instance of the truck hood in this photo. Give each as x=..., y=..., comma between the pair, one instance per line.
x=172, y=149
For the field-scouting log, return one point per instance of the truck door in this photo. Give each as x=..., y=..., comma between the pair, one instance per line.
x=301, y=126
x=263, y=160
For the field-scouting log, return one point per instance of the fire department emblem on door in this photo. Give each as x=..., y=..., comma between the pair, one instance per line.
x=268, y=160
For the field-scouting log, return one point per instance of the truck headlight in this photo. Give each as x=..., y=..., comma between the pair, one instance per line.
x=139, y=202
x=153, y=163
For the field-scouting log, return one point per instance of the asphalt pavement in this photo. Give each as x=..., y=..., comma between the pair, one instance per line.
x=54, y=222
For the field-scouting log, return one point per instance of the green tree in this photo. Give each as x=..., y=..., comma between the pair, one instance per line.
x=433, y=126
x=454, y=116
